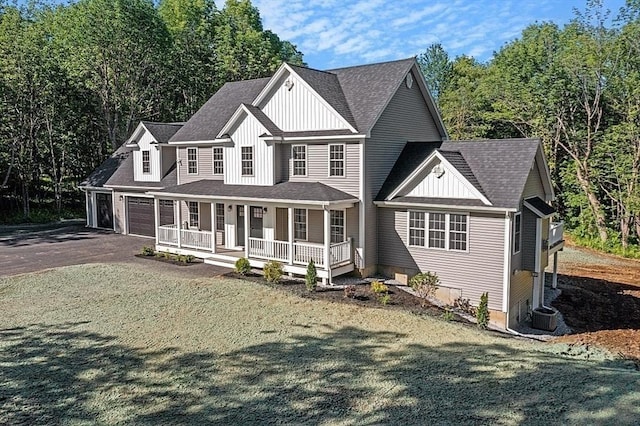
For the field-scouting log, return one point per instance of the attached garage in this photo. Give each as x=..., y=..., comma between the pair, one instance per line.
x=140, y=215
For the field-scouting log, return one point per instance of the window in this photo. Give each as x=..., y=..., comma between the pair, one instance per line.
x=218, y=161
x=146, y=163
x=219, y=217
x=299, y=160
x=300, y=224
x=437, y=233
x=194, y=219
x=247, y=161
x=448, y=231
x=517, y=232
x=336, y=160
x=192, y=161
x=458, y=232
x=337, y=225
x=416, y=228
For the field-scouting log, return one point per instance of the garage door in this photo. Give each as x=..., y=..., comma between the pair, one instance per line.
x=141, y=221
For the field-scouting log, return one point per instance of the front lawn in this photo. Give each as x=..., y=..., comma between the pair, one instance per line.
x=106, y=344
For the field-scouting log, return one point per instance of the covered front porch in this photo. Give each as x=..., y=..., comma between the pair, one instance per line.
x=221, y=231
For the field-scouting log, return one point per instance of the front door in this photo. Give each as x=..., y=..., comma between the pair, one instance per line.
x=240, y=226
x=255, y=222
x=104, y=210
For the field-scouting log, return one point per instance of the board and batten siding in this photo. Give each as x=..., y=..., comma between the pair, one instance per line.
x=284, y=108
x=472, y=273
x=146, y=143
x=445, y=186
x=247, y=134
x=406, y=118
x=318, y=166
x=205, y=165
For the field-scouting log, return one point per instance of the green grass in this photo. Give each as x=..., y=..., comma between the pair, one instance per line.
x=96, y=344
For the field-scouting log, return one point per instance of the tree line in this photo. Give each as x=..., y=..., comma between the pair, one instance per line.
x=577, y=88
x=76, y=79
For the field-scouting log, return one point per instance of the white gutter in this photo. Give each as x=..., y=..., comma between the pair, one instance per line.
x=344, y=203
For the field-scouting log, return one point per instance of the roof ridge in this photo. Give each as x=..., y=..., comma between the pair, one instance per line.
x=412, y=58
x=310, y=68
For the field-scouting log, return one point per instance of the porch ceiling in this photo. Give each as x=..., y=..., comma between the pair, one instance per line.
x=291, y=192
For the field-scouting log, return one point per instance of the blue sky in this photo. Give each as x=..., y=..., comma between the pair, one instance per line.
x=336, y=33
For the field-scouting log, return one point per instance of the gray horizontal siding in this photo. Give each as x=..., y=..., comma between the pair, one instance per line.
x=533, y=186
x=528, y=240
x=205, y=165
x=521, y=292
x=474, y=272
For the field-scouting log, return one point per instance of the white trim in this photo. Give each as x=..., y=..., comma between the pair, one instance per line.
x=456, y=173
x=361, y=208
x=393, y=204
x=344, y=224
x=125, y=187
x=344, y=203
x=96, y=188
x=447, y=230
x=197, y=161
x=213, y=160
x=280, y=73
x=513, y=235
x=285, y=139
x=306, y=160
x=344, y=161
x=506, y=284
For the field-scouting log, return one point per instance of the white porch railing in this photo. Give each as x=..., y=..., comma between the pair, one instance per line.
x=195, y=239
x=304, y=252
x=340, y=252
x=269, y=249
x=168, y=234
x=556, y=231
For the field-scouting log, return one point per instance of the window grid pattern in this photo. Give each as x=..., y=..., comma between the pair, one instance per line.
x=337, y=226
x=218, y=161
x=458, y=232
x=437, y=233
x=416, y=228
x=517, y=232
x=146, y=162
x=194, y=216
x=300, y=224
x=299, y=157
x=219, y=217
x=247, y=161
x=192, y=161
x=336, y=160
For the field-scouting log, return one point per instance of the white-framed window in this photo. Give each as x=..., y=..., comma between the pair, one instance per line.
x=146, y=162
x=517, y=232
x=219, y=217
x=194, y=214
x=299, y=160
x=336, y=219
x=192, y=161
x=247, y=160
x=416, y=228
x=458, y=230
x=436, y=230
x=300, y=224
x=218, y=160
x=336, y=160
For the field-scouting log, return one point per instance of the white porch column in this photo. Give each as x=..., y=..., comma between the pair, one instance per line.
x=554, y=282
x=88, y=210
x=179, y=224
x=290, y=234
x=156, y=215
x=327, y=242
x=246, y=230
x=213, y=227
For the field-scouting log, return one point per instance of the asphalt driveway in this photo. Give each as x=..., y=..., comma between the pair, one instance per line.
x=34, y=251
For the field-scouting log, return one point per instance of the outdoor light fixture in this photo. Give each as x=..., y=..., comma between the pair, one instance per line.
x=264, y=210
x=438, y=170
x=230, y=207
x=288, y=84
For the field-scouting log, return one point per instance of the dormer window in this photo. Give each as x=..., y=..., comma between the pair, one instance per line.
x=192, y=161
x=146, y=162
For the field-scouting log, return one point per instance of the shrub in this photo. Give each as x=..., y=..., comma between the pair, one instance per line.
x=448, y=314
x=379, y=288
x=189, y=258
x=482, y=315
x=465, y=306
x=425, y=286
x=384, y=298
x=350, y=291
x=273, y=271
x=311, y=279
x=167, y=255
x=181, y=258
x=148, y=251
x=243, y=267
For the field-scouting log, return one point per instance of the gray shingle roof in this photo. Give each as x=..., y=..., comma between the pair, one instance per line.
x=162, y=132
x=104, y=171
x=458, y=202
x=498, y=167
x=123, y=176
x=285, y=191
x=264, y=120
x=368, y=88
x=214, y=114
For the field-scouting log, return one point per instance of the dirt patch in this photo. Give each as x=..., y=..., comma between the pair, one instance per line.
x=600, y=301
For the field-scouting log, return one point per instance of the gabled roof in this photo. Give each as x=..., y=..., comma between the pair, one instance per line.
x=498, y=168
x=104, y=171
x=207, y=122
x=162, y=132
x=123, y=176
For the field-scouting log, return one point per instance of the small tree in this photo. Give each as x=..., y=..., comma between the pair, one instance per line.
x=425, y=286
x=273, y=271
x=243, y=267
x=482, y=315
x=311, y=279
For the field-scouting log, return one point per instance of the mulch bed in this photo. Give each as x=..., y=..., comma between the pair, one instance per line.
x=364, y=296
x=171, y=261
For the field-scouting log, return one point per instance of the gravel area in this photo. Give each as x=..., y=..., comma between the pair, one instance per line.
x=97, y=344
